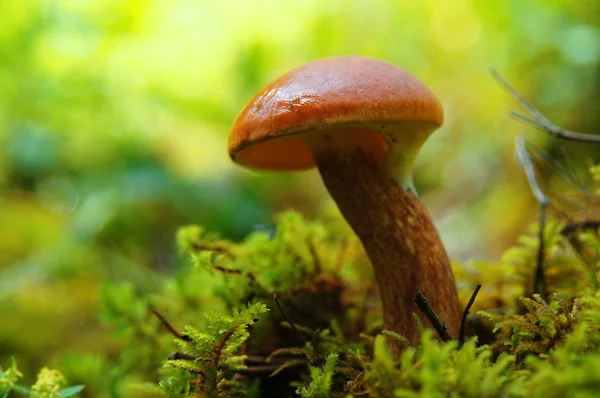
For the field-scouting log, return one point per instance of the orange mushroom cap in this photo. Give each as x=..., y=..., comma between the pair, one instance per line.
x=344, y=91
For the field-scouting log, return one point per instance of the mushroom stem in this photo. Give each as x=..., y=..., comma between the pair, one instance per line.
x=399, y=237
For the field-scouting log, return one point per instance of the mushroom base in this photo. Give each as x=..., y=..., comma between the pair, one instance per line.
x=398, y=236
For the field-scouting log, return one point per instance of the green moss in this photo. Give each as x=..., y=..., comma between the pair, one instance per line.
x=215, y=353
x=536, y=348
x=50, y=383
x=294, y=310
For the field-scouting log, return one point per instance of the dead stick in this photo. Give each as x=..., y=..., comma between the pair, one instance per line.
x=439, y=326
x=461, y=339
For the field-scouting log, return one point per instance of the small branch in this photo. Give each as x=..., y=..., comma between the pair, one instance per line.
x=561, y=169
x=225, y=270
x=558, y=132
x=461, y=339
x=261, y=359
x=287, y=365
x=168, y=326
x=526, y=163
x=580, y=226
x=253, y=359
x=181, y=355
x=233, y=271
x=524, y=159
x=539, y=120
x=539, y=284
x=439, y=326
x=315, y=334
x=251, y=370
x=276, y=299
x=221, y=346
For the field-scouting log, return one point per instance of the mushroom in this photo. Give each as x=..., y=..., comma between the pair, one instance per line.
x=362, y=122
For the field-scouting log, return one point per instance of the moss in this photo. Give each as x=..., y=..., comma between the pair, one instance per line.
x=322, y=334
x=50, y=383
x=294, y=310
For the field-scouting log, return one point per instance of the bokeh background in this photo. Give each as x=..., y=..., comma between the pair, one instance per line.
x=114, y=116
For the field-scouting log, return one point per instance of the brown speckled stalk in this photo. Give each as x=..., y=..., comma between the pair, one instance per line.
x=399, y=238
x=322, y=112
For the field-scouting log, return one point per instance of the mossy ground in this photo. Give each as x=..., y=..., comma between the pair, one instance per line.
x=293, y=310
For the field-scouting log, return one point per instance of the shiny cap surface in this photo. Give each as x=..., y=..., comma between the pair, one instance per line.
x=341, y=91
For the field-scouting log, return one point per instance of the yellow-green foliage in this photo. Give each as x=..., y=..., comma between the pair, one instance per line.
x=9, y=377
x=436, y=370
x=320, y=384
x=294, y=309
x=538, y=330
x=567, y=271
x=215, y=352
x=539, y=347
x=285, y=258
x=50, y=383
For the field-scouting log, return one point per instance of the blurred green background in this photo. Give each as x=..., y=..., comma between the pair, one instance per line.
x=114, y=116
